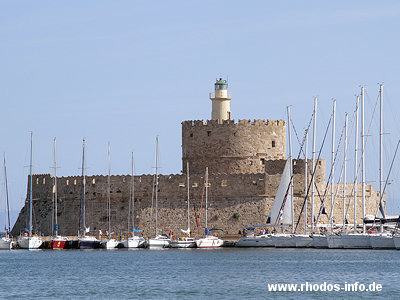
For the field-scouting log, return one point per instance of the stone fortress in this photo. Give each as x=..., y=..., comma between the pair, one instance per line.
x=245, y=160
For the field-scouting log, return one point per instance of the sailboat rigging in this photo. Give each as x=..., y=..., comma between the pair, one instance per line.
x=110, y=242
x=57, y=242
x=85, y=241
x=6, y=241
x=133, y=241
x=28, y=240
x=159, y=241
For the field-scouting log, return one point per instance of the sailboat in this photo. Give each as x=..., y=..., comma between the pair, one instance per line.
x=355, y=240
x=209, y=241
x=6, y=242
x=85, y=241
x=283, y=211
x=109, y=243
x=133, y=241
x=305, y=240
x=280, y=215
x=28, y=240
x=159, y=241
x=381, y=240
x=187, y=241
x=319, y=239
x=57, y=241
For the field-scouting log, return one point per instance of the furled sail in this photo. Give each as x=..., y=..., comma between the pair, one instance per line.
x=281, y=212
x=187, y=231
x=136, y=230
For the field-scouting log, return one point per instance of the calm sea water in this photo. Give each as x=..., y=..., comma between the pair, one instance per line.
x=226, y=273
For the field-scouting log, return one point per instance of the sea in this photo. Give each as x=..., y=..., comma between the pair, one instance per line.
x=224, y=273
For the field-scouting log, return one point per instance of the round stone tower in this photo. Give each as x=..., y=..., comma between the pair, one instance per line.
x=226, y=146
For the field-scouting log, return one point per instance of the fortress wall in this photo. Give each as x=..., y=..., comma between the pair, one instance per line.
x=233, y=200
x=229, y=147
x=225, y=194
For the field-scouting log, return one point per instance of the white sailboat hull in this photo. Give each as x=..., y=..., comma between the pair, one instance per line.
x=303, y=241
x=320, y=241
x=29, y=242
x=134, y=242
x=284, y=241
x=334, y=241
x=88, y=242
x=255, y=241
x=158, y=242
x=110, y=244
x=6, y=243
x=184, y=243
x=383, y=241
x=209, y=242
x=396, y=240
x=356, y=241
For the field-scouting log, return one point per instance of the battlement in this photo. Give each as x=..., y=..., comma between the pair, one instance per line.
x=244, y=122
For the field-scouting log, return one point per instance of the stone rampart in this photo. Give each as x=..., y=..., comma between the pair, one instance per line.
x=234, y=200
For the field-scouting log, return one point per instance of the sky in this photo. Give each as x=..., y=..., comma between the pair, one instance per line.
x=126, y=71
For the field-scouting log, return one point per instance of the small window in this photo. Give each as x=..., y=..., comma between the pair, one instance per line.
x=320, y=163
x=191, y=135
x=229, y=115
x=208, y=133
x=37, y=180
x=273, y=144
x=93, y=181
x=44, y=180
x=67, y=181
x=74, y=181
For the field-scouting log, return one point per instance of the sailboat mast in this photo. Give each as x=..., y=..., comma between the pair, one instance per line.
x=156, y=194
x=344, y=168
x=83, y=204
x=291, y=167
x=133, y=193
x=362, y=159
x=30, y=187
x=55, y=188
x=7, y=205
x=355, y=166
x=381, y=145
x=108, y=191
x=333, y=162
x=206, y=194
x=305, y=180
x=188, y=197
x=313, y=163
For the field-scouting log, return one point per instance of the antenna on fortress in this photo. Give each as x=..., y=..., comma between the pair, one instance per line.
x=221, y=101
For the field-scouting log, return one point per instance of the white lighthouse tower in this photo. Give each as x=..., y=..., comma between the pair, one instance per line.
x=221, y=101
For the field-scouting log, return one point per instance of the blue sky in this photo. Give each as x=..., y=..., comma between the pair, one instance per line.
x=126, y=71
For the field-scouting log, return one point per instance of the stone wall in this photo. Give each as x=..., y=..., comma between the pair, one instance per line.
x=229, y=147
x=234, y=200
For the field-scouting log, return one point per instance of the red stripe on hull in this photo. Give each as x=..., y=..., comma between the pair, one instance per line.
x=58, y=244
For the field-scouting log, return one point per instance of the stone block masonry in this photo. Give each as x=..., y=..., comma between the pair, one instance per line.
x=234, y=201
x=229, y=147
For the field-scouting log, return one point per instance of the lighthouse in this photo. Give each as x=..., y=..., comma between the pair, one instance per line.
x=221, y=101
